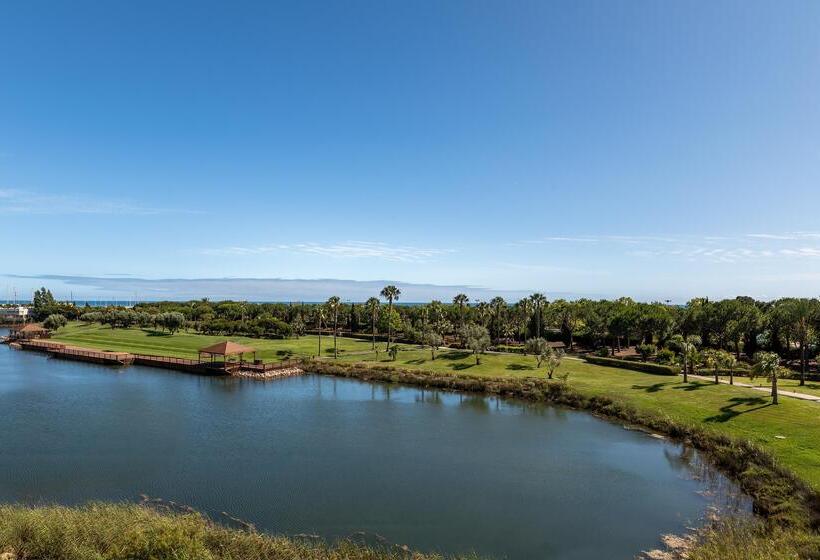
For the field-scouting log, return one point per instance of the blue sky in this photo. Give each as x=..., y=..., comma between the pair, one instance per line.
x=653, y=149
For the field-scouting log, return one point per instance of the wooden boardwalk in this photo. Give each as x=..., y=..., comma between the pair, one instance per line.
x=257, y=370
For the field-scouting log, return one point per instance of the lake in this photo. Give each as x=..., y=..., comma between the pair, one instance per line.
x=332, y=457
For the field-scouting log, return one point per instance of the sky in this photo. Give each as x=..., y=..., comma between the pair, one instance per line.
x=659, y=150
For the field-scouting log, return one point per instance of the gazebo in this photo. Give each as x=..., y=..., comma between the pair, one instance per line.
x=29, y=331
x=226, y=349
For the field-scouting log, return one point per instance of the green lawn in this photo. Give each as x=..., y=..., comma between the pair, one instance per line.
x=185, y=345
x=737, y=411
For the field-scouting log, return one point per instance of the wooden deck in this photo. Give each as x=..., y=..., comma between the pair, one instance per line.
x=258, y=370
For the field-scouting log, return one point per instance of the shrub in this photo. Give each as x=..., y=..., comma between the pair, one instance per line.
x=645, y=367
x=666, y=356
x=54, y=322
x=646, y=351
x=603, y=352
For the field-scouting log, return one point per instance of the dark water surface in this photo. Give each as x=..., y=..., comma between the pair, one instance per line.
x=313, y=454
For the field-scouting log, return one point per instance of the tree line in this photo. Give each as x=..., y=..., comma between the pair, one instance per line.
x=743, y=326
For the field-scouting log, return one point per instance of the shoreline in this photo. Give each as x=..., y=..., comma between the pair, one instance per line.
x=780, y=498
x=741, y=461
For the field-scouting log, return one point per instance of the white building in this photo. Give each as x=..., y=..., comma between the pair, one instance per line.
x=13, y=313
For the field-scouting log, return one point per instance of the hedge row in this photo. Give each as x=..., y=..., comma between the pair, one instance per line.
x=646, y=367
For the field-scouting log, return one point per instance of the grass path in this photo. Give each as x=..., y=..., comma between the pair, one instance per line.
x=790, y=430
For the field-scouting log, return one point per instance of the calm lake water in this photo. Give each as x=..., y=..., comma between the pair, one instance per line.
x=319, y=455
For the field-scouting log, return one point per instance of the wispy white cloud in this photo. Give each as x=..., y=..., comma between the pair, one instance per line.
x=712, y=248
x=348, y=249
x=15, y=201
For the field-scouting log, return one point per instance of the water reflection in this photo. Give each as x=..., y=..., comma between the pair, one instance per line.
x=328, y=456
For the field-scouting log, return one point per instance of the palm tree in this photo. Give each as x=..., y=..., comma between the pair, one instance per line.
x=390, y=293
x=688, y=349
x=524, y=315
x=802, y=313
x=729, y=362
x=767, y=365
x=333, y=305
x=498, y=305
x=460, y=301
x=373, y=305
x=538, y=302
x=320, y=315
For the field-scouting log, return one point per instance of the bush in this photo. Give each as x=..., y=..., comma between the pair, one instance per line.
x=666, y=356
x=603, y=352
x=646, y=351
x=645, y=367
x=54, y=322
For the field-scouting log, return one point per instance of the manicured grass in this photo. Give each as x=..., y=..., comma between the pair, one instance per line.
x=735, y=411
x=185, y=345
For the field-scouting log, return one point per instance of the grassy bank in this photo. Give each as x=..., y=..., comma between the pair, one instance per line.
x=118, y=532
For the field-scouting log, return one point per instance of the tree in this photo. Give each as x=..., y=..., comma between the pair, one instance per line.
x=538, y=301
x=333, y=306
x=553, y=361
x=476, y=339
x=646, y=351
x=320, y=316
x=539, y=348
x=715, y=359
x=373, y=306
x=566, y=315
x=688, y=347
x=43, y=304
x=460, y=301
x=802, y=314
x=432, y=339
x=498, y=305
x=523, y=316
x=390, y=293
x=55, y=321
x=729, y=362
x=767, y=365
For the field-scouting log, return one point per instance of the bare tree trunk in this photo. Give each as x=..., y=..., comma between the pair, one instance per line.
x=802, y=361
x=389, y=323
x=774, y=390
x=335, y=333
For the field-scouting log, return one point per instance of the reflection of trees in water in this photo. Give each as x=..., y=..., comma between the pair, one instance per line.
x=429, y=397
x=475, y=402
x=723, y=496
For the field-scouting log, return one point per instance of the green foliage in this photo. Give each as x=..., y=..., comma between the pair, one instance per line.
x=55, y=321
x=433, y=340
x=645, y=367
x=475, y=338
x=665, y=356
x=646, y=351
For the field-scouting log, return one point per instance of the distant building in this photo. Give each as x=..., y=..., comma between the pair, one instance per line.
x=14, y=313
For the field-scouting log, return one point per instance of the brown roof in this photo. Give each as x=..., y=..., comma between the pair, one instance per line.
x=226, y=348
x=32, y=327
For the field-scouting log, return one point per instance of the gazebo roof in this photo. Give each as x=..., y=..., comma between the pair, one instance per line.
x=32, y=327
x=226, y=348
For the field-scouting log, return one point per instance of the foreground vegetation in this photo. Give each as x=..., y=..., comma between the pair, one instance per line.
x=134, y=532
